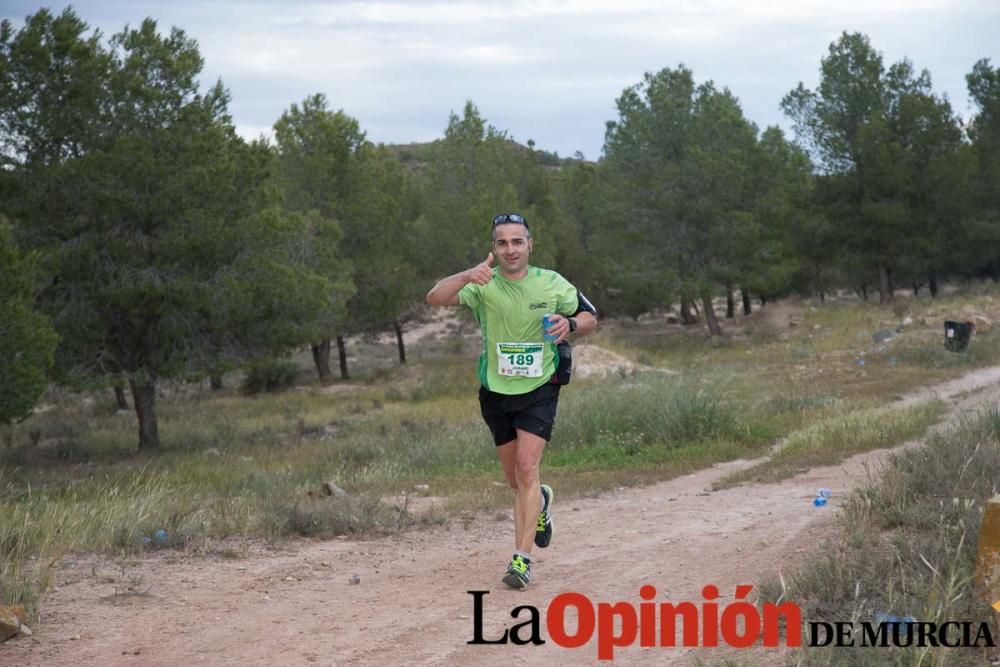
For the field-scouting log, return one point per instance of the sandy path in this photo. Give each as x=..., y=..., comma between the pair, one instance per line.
x=297, y=605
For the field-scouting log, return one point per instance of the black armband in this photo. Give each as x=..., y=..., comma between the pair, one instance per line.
x=583, y=305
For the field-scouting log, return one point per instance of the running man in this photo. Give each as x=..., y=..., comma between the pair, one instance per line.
x=517, y=366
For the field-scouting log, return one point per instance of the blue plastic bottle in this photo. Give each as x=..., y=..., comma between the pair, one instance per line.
x=546, y=323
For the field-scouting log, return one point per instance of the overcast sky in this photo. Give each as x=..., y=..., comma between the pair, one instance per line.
x=546, y=70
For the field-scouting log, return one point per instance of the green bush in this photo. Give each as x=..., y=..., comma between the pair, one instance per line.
x=27, y=340
x=269, y=375
x=650, y=411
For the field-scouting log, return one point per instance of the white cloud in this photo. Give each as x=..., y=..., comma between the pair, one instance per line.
x=548, y=69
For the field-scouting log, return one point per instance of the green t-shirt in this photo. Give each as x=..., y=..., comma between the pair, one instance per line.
x=515, y=358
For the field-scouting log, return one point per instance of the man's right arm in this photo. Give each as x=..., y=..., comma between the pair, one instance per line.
x=445, y=292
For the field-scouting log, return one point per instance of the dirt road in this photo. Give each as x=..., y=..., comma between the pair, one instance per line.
x=300, y=605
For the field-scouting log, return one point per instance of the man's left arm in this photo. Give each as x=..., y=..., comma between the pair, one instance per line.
x=582, y=322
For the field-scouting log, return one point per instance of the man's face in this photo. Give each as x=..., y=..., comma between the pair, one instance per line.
x=511, y=247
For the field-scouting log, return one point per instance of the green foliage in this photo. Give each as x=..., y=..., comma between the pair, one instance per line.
x=694, y=204
x=983, y=231
x=894, y=169
x=478, y=171
x=27, y=340
x=269, y=375
x=330, y=172
x=154, y=220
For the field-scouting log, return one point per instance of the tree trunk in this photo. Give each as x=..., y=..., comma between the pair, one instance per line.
x=763, y=300
x=342, y=351
x=686, y=317
x=713, y=322
x=932, y=284
x=822, y=296
x=399, y=342
x=120, y=397
x=730, y=303
x=916, y=290
x=884, y=285
x=215, y=381
x=321, y=357
x=747, y=309
x=864, y=291
x=144, y=397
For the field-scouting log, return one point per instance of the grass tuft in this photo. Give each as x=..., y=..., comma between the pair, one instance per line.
x=838, y=437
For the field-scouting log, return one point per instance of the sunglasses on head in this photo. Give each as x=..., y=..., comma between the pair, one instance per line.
x=510, y=217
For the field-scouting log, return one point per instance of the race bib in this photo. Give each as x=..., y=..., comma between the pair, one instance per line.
x=523, y=359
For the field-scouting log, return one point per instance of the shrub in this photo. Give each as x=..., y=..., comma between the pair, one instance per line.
x=269, y=375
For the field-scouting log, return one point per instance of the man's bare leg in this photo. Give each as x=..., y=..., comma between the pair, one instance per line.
x=528, y=502
x=520, y=459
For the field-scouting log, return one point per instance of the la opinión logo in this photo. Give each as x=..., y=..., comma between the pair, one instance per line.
x=738, y=624
x=617, y=624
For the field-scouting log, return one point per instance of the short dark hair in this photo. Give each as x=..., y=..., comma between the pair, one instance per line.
x=510, y=219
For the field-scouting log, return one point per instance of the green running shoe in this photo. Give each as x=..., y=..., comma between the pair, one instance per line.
x=518, y=572
x=543, y=532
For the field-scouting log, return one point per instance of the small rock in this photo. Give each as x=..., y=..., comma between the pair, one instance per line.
x=422, y=487
x=213, y=451
x=325, y=563
x=74, y=638
x=289, y=578
x=355, y=579
x=907, y=321
x=12, y=622
x=331, y=489
x=883, y=335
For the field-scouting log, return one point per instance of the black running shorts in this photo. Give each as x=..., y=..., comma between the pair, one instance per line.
x=534, y=412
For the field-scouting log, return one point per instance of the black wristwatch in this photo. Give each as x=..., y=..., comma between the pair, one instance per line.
x=572, y=324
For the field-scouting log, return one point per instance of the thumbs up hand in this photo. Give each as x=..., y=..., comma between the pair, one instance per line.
x=481, y=274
